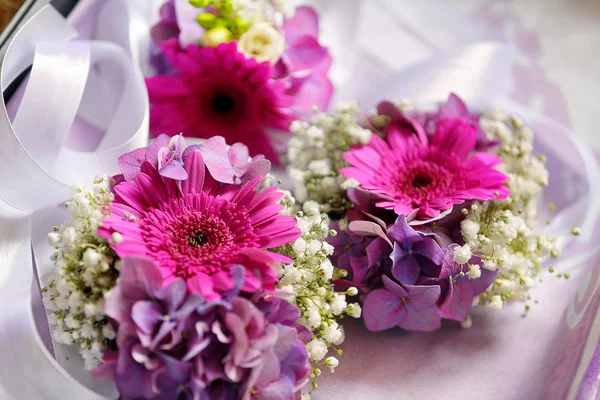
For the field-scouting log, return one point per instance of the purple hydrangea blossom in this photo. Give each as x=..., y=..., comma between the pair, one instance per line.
x=350, y=253
x=409, y=307
x=170, y=159
x=408, y=278
x=174, y=344
x=458, y=290
x=304, y=66
x=414, y=254
x=178, y=20
x=231, y=165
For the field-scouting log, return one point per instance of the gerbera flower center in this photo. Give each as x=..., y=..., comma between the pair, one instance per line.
x=425, y=178
x=197, y=239
x=422, y=180
x=197, y=234
x=223, y=103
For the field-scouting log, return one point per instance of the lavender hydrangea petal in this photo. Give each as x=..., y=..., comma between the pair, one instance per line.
x=405, y=267
x=382, y=310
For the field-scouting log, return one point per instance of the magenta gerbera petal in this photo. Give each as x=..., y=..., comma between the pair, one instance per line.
x=411, y=173
x=200, y=231
x=218, y=91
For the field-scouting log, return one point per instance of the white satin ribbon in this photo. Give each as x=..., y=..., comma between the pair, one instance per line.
x=97, y=82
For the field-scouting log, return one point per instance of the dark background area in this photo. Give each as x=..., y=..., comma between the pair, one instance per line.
x=64, y=6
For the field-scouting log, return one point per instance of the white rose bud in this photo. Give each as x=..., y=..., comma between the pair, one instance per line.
x=262, y=42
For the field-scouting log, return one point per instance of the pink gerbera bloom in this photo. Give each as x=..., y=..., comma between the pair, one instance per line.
x=408, y=174
x=219, y=92
x=198, y=229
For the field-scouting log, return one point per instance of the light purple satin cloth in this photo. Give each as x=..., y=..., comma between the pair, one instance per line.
x=503, y=356
x=590, y=387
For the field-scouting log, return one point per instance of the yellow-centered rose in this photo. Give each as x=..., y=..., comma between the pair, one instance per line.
x=262, y=42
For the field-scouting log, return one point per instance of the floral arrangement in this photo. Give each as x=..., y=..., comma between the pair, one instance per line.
x=193, y=277
x=237, y=68
x=435, y=211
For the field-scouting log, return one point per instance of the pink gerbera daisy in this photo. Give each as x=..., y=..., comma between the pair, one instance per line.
x=198, y=229
x=409, y=174
x=219, y=92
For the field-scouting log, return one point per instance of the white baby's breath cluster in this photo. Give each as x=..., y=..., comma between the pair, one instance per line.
x=315, y=156
x=309, y=280
x=502, y=232
x=84, y=271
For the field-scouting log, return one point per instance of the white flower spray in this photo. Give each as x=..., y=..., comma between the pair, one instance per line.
x=315, y=156
x=85, y=269
x=502, y=232
x=309, y=281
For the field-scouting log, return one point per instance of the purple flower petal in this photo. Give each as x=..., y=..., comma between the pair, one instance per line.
x=368, y=228
x=422, y=296
x=277, y=390
x=139, y=277
x=403, y=233
x=238, y=156
x=405, y=268
x=214, y=153
x=130, y=163
x=422, y=313
x=305, y=22
x=421, y=319
x=153, y=150
x=454, y=107
x=174, y=170
x=260, y=167
x=382, y=310
x=173, y=295
x=146, y=315
x=459, y=300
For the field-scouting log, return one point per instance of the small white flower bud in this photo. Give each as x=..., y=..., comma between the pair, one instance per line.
x=474, y=271
x=466, y=323
x=495, y=302
x=91, y=258
x=53, y=238
x=116, y=238
x=332, y=363
x=354, y=310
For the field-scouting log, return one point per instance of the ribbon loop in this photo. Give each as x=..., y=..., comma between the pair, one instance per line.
x=94, y=84
x=60, y=69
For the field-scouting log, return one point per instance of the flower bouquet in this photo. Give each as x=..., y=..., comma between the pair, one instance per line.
x=436, y=210
x=180, y=275
x=237, y=69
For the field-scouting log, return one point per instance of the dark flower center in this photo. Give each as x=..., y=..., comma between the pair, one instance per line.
x=421, y=180
x=223, y=104
x=197, y=239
